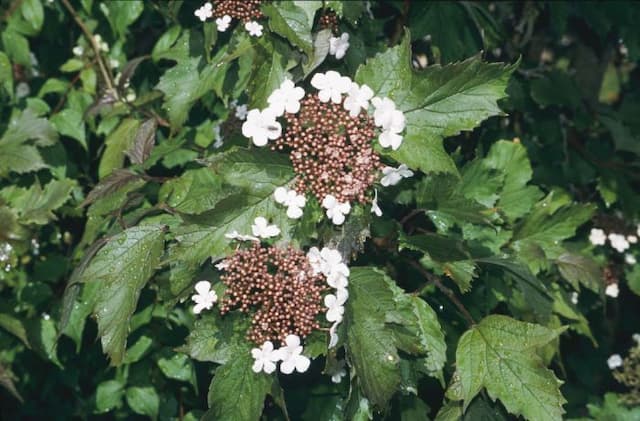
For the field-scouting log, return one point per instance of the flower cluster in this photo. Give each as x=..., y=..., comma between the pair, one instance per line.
x=627, y=372
x=619, y=242
x=224, y=11
x=328, y=262
x=330, y=141
x=329, y=20
x=278, y=285
x=290, y=356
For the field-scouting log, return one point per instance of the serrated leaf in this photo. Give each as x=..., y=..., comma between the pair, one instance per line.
x=123, y=266
x=578, y=269
x=69, y=122
x=499, y=354
x=144, y=401
x=143, y=142
x=236, y=392
x=110, y=184
x=194, y=192
x=36, y=204
x=121, y=14
x=437, y=102
x=292, y=22
x=117, y=143
x=216, y=339
x=267, y=74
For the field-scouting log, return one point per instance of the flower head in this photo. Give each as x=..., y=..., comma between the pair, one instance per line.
x=357, y=99
x=262, y=229
x=331, y=86
x=614, y=361
x=392, y=176
x=254, y=28
x=286, y=98
x=261, y=126
x=223, y=23
x=205, y=297
x=291, y=356
x=265, y=358
x=618, y=242
x=336, y=211
x=338, y=46
x=241, y=112
x=292, y=200
x=597, y=237
x=204, y=12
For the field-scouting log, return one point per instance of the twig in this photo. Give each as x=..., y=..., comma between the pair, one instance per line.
x=94, y=45
x=433, y=279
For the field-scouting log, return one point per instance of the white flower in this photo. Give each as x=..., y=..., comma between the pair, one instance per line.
x=234, y=235
x=612, y=290
x=261, y=126
x=374, y=204
x=204, y=12
x=315, y=259
x=388, y=139
x=223, y=23
x=291, y=356
x=333, y=336
x=630, y=259
x=614, y=361
x=254, y=28
x=22, y=90
x=618, y=242
x=338, y=371
x=392, y=176
x=632, y=239
x=336, y=211
x=205, y=297
x=335, y=305
x=387, y=116
x=357, y=98
x=241, y=112
x=331, y=86
x=338, y=46
x=574, y=297
x=78, y=50
x=265, y=358
x=217, y=134
x=292, y=200
x=262, y=229
x=102, y=45
x=636, y=338
x=114, y=63
x=597, y=237
x=286, y=98
x=333, y=268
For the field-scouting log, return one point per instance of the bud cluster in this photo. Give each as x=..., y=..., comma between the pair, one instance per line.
x=244, y=10
x=331, y=152
x=280, y=285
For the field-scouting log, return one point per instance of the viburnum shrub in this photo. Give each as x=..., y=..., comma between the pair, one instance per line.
x=319, y=210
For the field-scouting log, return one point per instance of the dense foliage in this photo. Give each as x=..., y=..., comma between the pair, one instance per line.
x=449, y=223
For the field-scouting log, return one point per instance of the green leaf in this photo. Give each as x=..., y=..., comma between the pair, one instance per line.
x=117, y=143
x=437, y=102
x=144, y=401
x=178, y=367
x=267, y=74
x=370, y=346
x=70, y=123
x=216, y=339
x=6, y=74
x=577, y=269
x=292, y=22
x=194, y=192
x=36, y=205
x=16, y=46
x=121, y=14
x=109, y=396
x=15, y=327
x=236, y=392
x=499, y=354
x=123, y=266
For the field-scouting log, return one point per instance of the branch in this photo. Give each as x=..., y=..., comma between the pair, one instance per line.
x=96, y=49
x=434, y=279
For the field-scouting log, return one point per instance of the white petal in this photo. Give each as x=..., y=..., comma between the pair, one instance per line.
x=203, y=287
x=302, y=363
x=292, y=340
x=294, y=212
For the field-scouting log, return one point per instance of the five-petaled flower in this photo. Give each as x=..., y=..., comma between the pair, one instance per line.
x=612, y=290
x=291, y=356
x=205, y=297
x=391, y=120
x=331, y=86
x=261, y=126
x=614, y=361
x=392, y=176
x=286, y=98
x=357, y=98
x=618, y=242
x=292, y=200
x=336, y=211
x=335, y=304
x=254, y=28
x=262, y=229
x=223, y=23
x=597, y=237
x=204, y=12
x=265, y=358
x=338, y=46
